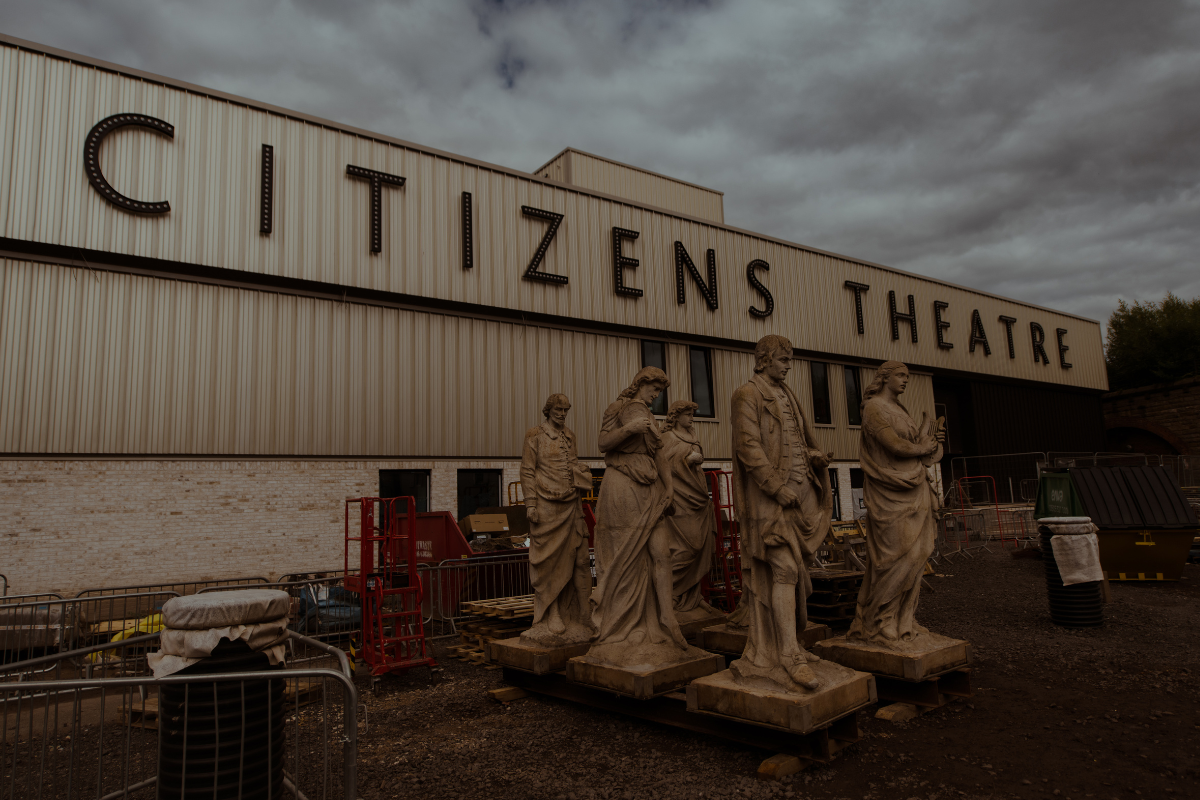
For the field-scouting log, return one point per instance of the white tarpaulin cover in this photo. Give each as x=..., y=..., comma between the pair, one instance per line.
x=219, y=609
x=1076, y=549
x=231, y=615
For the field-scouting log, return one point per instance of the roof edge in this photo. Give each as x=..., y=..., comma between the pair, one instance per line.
x=151, y=77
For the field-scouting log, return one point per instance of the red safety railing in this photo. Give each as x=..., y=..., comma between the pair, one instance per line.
x=384, y=552
x=968, y=505
x=724, y=585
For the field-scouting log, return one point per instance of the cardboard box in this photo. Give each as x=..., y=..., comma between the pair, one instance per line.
x=489, y=524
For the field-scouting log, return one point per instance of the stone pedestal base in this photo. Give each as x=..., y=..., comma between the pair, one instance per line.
x=731, y=639
x=843, y=691
x=923, y=658
x=691, y=628
x=643, y=681
x=533, y=658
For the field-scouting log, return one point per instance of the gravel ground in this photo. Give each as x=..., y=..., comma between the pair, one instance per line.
x=1106, y=713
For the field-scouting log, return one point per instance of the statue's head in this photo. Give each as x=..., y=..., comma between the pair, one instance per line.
x=556, y=407
x=883, y=375
x=652, y=379
x=678, y=409
x=770, y=347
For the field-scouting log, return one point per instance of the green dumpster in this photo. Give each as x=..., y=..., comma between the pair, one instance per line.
x=1146, y=524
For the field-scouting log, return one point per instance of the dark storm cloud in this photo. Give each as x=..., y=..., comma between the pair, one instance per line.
x=1045, y=151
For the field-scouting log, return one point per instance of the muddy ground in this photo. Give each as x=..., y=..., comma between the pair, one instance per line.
x=1106, y=713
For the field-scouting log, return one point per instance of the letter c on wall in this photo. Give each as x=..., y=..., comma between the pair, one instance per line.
x=91, y=160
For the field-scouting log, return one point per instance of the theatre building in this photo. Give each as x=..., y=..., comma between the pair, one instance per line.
x=219, y=319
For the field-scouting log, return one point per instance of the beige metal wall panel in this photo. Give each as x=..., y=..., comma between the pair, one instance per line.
x=641, y=186
x=105, y=363
x=209, y=173
x=556, y=169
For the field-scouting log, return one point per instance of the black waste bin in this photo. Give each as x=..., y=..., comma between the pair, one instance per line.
x=1076, y=606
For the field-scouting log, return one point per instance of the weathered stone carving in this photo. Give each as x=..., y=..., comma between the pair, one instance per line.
x=784, y=506
x=692, y=527
x=553, y=481
x=633, y=597
x=900, y=501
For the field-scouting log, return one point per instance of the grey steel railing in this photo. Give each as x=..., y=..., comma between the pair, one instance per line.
x=446, y=586
x=98, y=737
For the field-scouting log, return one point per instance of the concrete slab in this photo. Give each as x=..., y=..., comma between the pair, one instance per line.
x=643, y=681
x=731, y=639
x=533, y=658
x=843, y=691
x=925, y=657
x=691, y=628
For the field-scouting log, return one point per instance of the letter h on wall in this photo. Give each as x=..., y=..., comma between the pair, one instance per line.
x=910, y=317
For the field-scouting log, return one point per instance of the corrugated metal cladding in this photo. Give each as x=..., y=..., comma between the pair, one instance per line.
x=209, y=172
x=603, y=175
x=109, y=363
x=556, y=168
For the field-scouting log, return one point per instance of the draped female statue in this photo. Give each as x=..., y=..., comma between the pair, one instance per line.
x=633, y=561
x=692, y=527
x=900, y=501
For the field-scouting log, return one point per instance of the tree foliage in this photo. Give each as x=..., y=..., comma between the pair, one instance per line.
x=1153, y=342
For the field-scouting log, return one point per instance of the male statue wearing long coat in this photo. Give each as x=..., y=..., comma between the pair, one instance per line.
x=784, y=507
x=552, y=482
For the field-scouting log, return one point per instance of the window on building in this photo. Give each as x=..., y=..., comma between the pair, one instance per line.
x=819, y=371
x=702, y=387
x=853, y=395
x=857, y=506
x=412, y=483
x=837, y=497
x=654, y=354
x=478, y=488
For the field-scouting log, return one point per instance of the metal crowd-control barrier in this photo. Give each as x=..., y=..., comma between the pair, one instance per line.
x=180, y=587
x=453, y=582
x=100, y=737
x=49, y=623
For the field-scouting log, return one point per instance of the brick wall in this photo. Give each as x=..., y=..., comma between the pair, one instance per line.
x=71, y=525
x=1171, y=410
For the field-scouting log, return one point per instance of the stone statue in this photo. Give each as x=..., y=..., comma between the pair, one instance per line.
x=633, y=598
x=784, y=505
x=900, y=501
x=693, y=526
x=553, y=481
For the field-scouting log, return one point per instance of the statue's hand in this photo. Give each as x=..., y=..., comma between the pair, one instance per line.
x=695, y=458
x=532, y=513
x=819, y=460
x=669, y=511
x=639, y=425
x=786, y=497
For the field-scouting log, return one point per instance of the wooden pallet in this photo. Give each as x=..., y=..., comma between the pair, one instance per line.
x=818, y=747
x=504, y=607
x=933, y=692
x=829, y=580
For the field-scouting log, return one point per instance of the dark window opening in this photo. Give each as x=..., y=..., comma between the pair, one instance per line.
x=857, y=507
x=853, y=395
x=702, y=388
x=654, y=354
x=837, y=497
x=412, y=483
x=820, y=391
x=478, y=488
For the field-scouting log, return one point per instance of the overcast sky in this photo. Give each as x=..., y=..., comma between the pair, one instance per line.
x=1047, y=151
